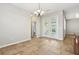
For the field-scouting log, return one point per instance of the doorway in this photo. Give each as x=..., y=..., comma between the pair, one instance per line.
x=33, y=28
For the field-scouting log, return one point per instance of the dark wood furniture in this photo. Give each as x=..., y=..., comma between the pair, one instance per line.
x=76, y=45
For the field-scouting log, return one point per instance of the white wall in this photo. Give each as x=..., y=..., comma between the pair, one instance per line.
x=73, y=26
x=64, y=16
x=72, y=18
x=14, y=25
x=60, y=26
x=72, y=13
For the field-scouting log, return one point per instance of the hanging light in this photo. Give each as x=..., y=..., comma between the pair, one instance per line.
x=42, y=12
x=38, y=12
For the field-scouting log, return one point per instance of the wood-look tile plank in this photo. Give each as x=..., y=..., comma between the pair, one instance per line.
x=40, y=46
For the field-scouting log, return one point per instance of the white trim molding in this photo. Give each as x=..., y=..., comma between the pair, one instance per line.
x=15, y=43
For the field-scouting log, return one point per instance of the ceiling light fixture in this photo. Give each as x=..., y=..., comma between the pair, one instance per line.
x=39, y=12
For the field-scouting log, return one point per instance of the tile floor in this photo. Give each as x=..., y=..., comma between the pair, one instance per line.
x=41, y=46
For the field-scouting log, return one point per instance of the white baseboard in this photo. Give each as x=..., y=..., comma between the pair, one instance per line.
x=15, y=43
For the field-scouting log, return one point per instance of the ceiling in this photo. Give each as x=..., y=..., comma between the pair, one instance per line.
x=31, y=7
